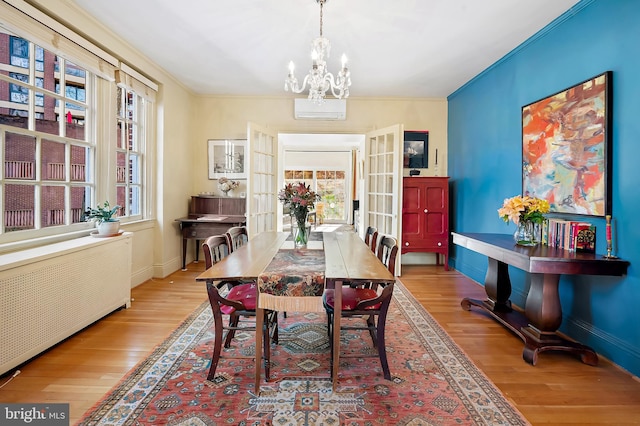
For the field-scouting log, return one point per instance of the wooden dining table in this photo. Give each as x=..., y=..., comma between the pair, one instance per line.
x=346, y=259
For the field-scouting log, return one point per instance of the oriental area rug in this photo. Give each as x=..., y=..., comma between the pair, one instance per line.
x=433, y=381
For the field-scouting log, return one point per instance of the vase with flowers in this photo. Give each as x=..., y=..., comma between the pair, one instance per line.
x=300, y=199
x=528, y=214
x=225, y=185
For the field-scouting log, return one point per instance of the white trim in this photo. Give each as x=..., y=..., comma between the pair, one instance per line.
x=135, y=74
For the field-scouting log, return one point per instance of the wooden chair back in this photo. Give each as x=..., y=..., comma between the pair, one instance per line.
x=215, y=248
x=388, y=252
x=237, y=236
x=369, y=236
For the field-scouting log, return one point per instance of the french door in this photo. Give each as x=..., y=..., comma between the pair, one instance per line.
x=383, y=181
x=262, y=192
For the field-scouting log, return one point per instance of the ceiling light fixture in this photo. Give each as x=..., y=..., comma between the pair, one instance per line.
x=319, y=79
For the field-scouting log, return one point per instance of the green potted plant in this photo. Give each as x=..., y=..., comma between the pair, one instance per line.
x=105, y=217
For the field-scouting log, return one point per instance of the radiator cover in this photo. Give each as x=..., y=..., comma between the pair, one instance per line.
x=49, y=293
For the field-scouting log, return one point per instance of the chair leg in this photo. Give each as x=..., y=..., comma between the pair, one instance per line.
x=274, y=320
x=217, y=343
x=266, y=342
x=382, y=348
x=371, y=325
x=234, y=320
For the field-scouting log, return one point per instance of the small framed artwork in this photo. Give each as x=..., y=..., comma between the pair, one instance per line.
x=226, y=158
x=566, y=152
x=416, y=149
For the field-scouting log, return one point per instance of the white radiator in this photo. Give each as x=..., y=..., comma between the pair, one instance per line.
x=51, y=292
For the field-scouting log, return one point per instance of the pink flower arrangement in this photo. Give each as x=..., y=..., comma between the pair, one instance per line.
x=300, y=199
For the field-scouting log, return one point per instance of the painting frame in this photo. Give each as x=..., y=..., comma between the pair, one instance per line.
x=226, y=158
x=416, y=150
x=566, y=148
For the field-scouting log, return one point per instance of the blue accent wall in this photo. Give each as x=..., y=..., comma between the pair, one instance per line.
x=485, y=155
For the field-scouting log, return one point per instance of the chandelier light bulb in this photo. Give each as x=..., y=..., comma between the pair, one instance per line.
x=344, y=60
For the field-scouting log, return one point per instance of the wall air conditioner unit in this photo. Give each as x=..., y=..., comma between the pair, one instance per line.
x=330, y=109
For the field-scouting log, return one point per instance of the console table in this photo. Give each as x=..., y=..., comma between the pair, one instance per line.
x=542, y=316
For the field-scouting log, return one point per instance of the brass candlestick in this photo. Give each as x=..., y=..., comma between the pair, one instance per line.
x=609, y=254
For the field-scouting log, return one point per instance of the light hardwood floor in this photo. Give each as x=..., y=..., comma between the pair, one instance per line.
x=559, y=390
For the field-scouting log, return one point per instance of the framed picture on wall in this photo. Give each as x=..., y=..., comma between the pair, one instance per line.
x=566, y=152
x=416, y=150
x=226, y=158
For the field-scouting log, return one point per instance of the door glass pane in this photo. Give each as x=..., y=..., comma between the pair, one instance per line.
x=332, y=187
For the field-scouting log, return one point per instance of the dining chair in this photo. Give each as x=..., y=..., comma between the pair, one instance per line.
x=236, y=300
x=368, y=236
x=368, y=301
x=237, y=236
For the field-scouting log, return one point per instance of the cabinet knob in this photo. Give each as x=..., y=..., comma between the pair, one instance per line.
x=406, y=244
x=426, y=211
x=439, y=244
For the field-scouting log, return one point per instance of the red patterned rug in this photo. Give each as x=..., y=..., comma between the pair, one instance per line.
x=433, y=381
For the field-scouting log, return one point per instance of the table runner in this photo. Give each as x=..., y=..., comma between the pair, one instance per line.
x=293, y=281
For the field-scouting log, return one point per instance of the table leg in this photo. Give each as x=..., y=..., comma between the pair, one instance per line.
x=184, y=254
x=337, y=316
x=259, y=325
x=497, y=284
x=544, y=314
x=542, y=317
x=197, y=253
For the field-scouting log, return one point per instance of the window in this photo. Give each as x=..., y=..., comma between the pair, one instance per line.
x=46, y=176
x=130, y=143
x=331, y=185
x=58, y=139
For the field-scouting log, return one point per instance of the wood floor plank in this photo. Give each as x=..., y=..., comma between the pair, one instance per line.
x=559, y=390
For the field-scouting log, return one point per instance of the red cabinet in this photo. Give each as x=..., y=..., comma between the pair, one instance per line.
x=425, y=216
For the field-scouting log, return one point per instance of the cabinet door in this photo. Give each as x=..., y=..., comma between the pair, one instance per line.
x=413, y=222
x=436, y=215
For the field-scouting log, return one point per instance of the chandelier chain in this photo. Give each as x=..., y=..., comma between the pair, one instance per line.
x=321, y=14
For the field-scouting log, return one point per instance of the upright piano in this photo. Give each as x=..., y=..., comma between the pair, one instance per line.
x=210, y=215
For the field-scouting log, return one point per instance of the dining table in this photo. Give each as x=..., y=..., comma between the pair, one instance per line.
x=292, y=279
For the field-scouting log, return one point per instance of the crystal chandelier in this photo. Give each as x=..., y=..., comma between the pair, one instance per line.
x=319, y=79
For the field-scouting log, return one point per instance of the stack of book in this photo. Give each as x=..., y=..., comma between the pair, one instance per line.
x=569, y=235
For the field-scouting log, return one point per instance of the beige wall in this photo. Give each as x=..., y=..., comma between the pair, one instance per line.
x=227, y=118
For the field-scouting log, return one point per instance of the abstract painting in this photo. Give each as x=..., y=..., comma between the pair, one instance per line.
x=565, y=148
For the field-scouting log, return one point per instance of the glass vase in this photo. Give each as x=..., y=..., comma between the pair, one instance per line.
x=300, y=230
x=526, y=234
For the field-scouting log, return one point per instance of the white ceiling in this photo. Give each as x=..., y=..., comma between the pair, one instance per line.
x=396, y=48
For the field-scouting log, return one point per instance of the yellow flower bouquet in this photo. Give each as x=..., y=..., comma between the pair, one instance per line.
x=524, y=209
x=528, y=214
